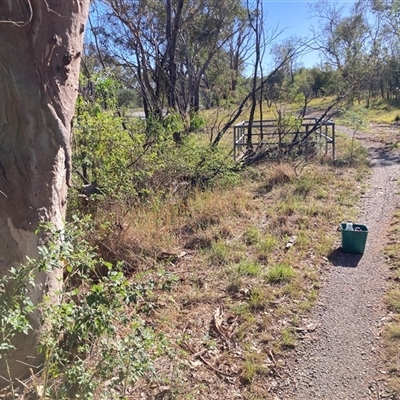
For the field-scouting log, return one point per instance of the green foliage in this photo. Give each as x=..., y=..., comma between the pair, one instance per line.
x=173, y=123
x=129, y=159
x=94, y=346
x=252, y=235
x=14, y=297
x=105, y=153
x=280, y=273
x=304, y=185
x=197, y=121
x=219, y=252
x=95, y=343
x=287, y=122
x=15, y=308
x=355, y=117
x=257, y=299
x=201, y=164
x=252, y=366
x=288, y=339
x=127, y=98
x=235, y=282
x=249, y=267
x=266, y=245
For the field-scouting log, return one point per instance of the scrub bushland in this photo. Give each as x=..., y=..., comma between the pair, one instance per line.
x=185, y=275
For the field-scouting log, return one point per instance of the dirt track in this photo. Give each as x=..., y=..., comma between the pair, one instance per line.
x=341, y=358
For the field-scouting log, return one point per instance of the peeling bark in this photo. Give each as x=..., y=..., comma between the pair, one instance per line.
x=40, y=48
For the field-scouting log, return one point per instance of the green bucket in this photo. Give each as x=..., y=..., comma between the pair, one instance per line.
x=354, y=241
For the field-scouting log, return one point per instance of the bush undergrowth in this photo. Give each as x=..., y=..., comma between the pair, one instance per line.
x=96, y=344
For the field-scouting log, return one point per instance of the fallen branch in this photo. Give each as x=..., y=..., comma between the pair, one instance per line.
x=215, y=369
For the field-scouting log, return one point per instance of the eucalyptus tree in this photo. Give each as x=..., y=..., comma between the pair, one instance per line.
x=256, y=22
x=278, y=87
x=204, y=37
x=362, y=43
x=344, y=42
x=168, y=45
x=274, y=87
x=40, y=53
x=239, y=48
x=386, y=13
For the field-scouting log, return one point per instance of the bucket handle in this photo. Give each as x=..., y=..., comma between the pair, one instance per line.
x=339, y=229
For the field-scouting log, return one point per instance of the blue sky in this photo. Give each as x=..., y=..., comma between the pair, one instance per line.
x=293, y=16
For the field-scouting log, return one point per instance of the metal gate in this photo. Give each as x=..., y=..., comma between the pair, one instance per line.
x=267, y=134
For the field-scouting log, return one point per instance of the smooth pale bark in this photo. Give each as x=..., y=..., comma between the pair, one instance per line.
x=40, y=52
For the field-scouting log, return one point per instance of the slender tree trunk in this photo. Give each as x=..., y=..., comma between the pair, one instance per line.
x=40, y=52
x=172, y=29
x=256, y=26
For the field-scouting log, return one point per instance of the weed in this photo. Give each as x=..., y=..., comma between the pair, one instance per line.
x=266, y=245
x=16, y=306
x=288, y=339
x=93, y=347
x=350, y=152
x=252, y=366
x=257, y=299
x=322, y=194
x=235, y=281
x=303, y=185
x=393, y=298
x=393, y=333
x=280, y=273
x=391, y=337
x=313, y=209
x=249, y=268
x=287, y=208
x=304, y=239
x=251, y=235
x=219, y=252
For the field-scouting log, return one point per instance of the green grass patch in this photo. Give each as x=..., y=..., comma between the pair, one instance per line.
x=280, y=273
x=252, y=366
x=219, y=253
x=251, y=235
x=288, y=339
x=393, y=298
x=249, y=268
x=257, y=299
x=266, y=245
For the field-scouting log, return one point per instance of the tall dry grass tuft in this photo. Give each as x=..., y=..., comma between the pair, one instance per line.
x=276, y=175
x=160, y=227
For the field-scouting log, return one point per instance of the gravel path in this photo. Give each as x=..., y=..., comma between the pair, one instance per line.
x=340, y=359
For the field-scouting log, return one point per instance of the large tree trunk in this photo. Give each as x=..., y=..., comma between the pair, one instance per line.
x=40, y=52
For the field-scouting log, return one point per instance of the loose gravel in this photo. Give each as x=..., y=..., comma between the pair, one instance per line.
x=341, y=358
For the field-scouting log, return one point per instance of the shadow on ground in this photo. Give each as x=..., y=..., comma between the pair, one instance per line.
x=339, y=258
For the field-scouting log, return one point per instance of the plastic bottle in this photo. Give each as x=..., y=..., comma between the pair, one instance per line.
x=349, y=225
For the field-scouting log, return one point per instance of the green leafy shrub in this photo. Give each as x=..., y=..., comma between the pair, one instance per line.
x=15, y=306
x=95, y=343
x=129, y=159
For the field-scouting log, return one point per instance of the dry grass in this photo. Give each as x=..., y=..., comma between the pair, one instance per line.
x=241, y=287
x=391, y=333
